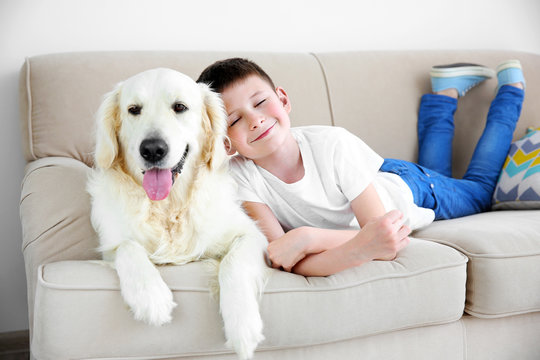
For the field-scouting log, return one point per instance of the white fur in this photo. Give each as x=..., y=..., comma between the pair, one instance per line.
x=200, y=219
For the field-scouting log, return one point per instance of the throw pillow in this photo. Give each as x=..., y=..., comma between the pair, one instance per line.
x=518, y=186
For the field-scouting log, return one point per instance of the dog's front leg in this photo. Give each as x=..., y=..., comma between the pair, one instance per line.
x=142, y=286
x=242, y=275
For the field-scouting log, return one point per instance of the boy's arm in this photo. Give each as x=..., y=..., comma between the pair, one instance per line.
x=367, y=205
x=319, y=252
x=289, y=249
x=381, y=237
x=286, y=249
x=265, y=218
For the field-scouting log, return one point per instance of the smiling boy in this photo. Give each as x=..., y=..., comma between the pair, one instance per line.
x=323, y=198
x=260, y=132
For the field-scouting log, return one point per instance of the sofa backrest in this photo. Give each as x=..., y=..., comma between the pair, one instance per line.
x=373, y=94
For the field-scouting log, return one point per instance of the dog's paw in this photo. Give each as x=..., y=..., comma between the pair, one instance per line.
x=151, y=301
x=244, y=337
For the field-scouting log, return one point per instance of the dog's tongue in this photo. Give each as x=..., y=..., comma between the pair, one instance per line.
x=157, y=183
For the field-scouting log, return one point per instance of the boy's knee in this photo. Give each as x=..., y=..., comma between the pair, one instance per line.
x=484, y=200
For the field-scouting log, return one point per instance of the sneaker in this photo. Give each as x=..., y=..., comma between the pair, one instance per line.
x=459, y=76
x=509, y=72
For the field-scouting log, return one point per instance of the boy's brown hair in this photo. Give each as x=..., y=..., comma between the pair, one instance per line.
x=224, y=73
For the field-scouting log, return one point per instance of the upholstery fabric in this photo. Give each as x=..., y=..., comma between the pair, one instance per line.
x=513, y=337
x=504, y=256
x=425, y=285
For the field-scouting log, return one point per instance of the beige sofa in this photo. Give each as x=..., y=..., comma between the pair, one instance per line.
x=466, y=288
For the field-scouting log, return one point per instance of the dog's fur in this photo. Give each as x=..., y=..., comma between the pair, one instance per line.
x=199, y=219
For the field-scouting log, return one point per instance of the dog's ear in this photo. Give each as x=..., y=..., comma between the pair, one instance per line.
x=107, y=125
x=215, y=128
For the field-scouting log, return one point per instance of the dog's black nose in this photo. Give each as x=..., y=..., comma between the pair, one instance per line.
x=153, y=150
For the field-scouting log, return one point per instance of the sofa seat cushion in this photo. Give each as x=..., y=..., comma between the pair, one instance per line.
x=504, y=257
x=77, y=300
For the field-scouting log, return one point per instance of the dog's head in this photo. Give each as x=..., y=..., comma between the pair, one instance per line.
x=154, y=123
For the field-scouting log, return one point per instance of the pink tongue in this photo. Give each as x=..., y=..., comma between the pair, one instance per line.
x=157, y=183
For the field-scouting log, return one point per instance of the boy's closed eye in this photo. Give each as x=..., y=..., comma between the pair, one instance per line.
x=239, y=118
x=234, y=122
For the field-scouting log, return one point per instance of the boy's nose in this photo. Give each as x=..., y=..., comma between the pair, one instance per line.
x=255, y=120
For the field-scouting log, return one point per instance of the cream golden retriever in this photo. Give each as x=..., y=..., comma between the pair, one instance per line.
x=161, y=194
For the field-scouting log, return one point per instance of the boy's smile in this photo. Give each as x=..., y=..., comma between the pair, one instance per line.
x=257, y=118
x=265, y=133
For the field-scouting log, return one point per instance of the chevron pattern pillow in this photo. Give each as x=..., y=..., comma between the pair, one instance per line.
x=518, y=186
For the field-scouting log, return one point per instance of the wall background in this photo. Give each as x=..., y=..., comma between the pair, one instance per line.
x=33, y=27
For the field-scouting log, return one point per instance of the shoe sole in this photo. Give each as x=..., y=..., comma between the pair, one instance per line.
x=462, y=71
x=508, y=65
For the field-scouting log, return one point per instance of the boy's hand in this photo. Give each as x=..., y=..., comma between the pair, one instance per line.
x=289, y=249
x=384, y=236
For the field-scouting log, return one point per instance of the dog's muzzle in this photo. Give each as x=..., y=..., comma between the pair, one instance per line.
x=157, y=182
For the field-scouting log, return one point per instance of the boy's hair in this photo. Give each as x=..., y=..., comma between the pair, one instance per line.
x=224, y=73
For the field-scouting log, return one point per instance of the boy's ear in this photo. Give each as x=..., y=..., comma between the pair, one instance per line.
x=284, y=98
x=229, y=148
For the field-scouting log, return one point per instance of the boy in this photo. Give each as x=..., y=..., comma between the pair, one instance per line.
x=322, y=196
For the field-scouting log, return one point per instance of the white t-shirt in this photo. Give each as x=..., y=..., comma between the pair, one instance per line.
x=338, y=167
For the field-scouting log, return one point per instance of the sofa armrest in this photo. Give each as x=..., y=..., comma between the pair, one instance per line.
x=55, y=216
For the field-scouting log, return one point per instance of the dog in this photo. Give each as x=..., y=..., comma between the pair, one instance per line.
x=161, y=194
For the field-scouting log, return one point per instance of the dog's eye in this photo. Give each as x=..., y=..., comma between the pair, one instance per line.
x=179, y=107
x=135, y=109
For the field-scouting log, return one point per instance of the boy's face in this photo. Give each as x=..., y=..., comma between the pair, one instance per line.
x=257, y=117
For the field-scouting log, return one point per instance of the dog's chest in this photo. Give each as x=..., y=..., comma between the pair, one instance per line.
x=172, y=236
x=180, y=230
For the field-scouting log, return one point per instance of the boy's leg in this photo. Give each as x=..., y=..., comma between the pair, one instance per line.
x=472, y=194
x=436, y=132
x=436, y=114
x=492, y=148
x=451, y=198
x=447, y=197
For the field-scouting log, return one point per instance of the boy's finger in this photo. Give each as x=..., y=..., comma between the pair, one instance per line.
x=404, y=242
x=393, y=215
x=405, y=230
x=399, y=223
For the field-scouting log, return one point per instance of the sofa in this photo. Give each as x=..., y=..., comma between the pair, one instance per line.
x=466, y=288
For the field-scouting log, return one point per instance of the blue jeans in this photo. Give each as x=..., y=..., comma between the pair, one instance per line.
x=431, y=179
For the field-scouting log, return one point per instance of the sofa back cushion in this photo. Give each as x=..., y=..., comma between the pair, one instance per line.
x=374, y=94
x=60, y=93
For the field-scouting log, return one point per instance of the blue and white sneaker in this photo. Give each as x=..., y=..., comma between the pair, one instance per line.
x=459, y=76
x=509, y=72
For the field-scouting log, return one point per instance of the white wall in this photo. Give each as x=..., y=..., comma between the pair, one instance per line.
x=44, y=26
